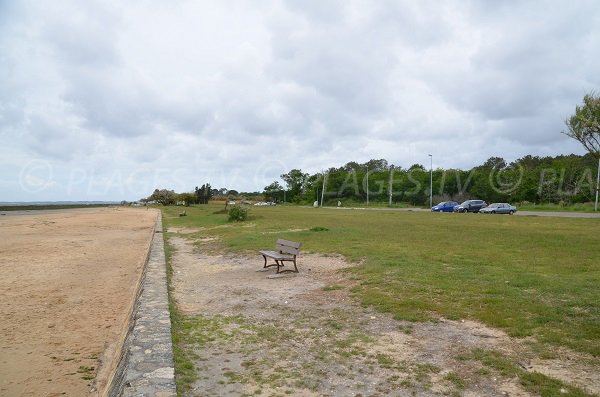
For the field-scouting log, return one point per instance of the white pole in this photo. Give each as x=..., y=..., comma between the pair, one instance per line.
x=367, y=186
x=431, y=182
x=597, y=186
x=323, y=191
x=391, y=181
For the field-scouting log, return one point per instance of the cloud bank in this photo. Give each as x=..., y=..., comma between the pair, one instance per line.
x=109, y=100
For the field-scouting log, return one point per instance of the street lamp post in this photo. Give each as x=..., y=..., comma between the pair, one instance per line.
x=367, y=186
x=431, y=181
x=323, y=191
x=391, y=181
x=597, y=186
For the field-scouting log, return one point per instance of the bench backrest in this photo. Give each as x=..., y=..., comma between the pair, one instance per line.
x=288, y=247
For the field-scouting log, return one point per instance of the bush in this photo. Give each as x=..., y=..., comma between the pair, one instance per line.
x=237, y=213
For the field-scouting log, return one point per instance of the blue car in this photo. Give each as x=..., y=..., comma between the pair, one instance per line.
x=444, y=206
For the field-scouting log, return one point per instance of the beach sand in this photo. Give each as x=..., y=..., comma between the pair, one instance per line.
x=68, y=280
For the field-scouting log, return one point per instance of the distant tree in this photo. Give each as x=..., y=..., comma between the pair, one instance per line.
x=452, y=183
x=188, y=198
x=494, y=163
x=273, y=191
x=204, y=193
x=163, y=196
x=233, y=193
x=351, y=166
x=295, y=181
x=416, y=166
x=273, y=187
x=529, y=162
x=377, y=165
x=490, y=180
x=584, y=126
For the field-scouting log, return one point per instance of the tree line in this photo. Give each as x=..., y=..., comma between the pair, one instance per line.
x=564, y=179
x=200, y=195
x=561, y=179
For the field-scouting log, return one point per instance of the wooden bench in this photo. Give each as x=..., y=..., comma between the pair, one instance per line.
x=286, y=251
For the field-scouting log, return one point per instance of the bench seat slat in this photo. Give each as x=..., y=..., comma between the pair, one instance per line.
x=276, y=255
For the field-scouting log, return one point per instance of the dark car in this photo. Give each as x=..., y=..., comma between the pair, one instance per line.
x=470, y=206
x=444, y=206
x=499, y=208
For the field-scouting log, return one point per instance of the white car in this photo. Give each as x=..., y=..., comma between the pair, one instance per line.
x=263, y=203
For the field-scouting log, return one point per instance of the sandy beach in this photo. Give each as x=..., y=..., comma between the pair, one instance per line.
x=69, y=279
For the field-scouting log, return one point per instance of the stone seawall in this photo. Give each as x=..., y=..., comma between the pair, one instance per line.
x=146, y=367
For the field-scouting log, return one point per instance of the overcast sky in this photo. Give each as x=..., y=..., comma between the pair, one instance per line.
x=109, y=100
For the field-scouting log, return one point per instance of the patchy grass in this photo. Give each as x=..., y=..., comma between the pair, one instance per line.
x=263, y=355
x=549, y=207
x=333, y=287
x=533, y=382
x=455, y=379
x=183, y=358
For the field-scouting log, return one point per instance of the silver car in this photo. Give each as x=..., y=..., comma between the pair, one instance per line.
x=499, y=208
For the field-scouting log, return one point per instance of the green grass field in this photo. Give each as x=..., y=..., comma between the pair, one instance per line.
x=577, y=207
x=529, y=276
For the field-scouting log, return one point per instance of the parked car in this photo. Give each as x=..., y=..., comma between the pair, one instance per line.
x=263, y=203
x=444, y=206
x=499, y=208
x=470, y=206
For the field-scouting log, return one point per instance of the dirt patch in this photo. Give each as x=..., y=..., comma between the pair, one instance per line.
x=67, y=286
x=305, y=334
x=186, y=230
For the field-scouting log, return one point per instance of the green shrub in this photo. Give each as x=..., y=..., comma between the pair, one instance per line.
x=237, y=213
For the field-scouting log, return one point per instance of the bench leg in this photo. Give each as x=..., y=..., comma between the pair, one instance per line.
x=288, y=270
x=280, y=263
x=272, y=264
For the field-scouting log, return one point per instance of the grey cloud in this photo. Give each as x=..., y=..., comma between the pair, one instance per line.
x=527, y=57
x=203, y=91
x=84, y=38
x=56, y=140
